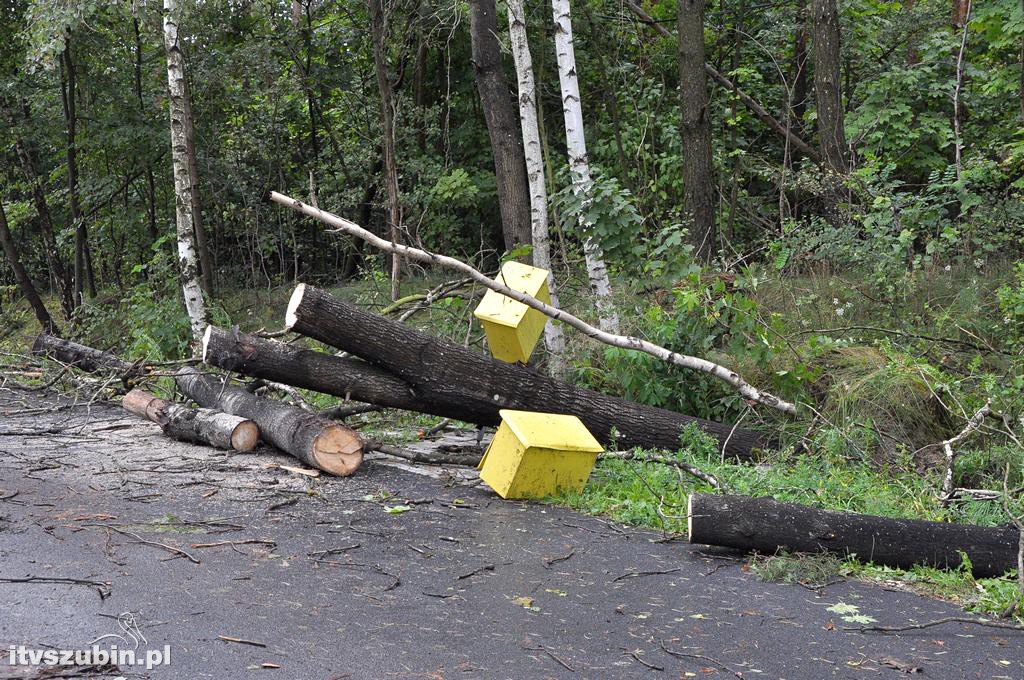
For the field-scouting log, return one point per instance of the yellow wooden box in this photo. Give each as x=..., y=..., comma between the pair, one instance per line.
x=533, y=455
x=511, y=327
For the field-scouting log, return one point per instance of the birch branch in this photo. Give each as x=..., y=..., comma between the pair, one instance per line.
x=948, y=489
x=724, y=374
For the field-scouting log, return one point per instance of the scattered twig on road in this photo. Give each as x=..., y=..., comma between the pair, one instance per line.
x=932, y=624
x=638, y=574
x=701, y=657
x=102, y=588
x=240, y=641
x=636, y=657
x=156, y=544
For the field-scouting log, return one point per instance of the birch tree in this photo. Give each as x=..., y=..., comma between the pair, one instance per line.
x=554, y=339
x=579, y=165
x=188, y=262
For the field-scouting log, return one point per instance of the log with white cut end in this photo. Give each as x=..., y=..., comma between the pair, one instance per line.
x=81, y=357
x=767, y=526
x=314, y=440
x=200, y=425
x=463, y=384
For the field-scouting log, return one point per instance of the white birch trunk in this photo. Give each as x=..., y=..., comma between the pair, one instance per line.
x=554, y=338
x=579, y=166
x=188, y=263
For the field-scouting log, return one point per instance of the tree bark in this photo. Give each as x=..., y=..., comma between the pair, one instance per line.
x=154, y=233
x=314, y=440
x=179, y=109
x=28, y=289
x=695, y=130
x=554, y=338
x=83, y=358
x=202, y=247
x=346, y=378
x=196, y=425
x=379, y=27
x=500, y=115
x=767, y=526
x=579, y=164
x=475, y=386
x=826, y=54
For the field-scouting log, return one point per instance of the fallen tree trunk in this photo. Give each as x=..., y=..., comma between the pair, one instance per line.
x=314, y=440
x=81, y=357
x=347, y=378
x=473, y=387
x=198, y=425
x=767, y=526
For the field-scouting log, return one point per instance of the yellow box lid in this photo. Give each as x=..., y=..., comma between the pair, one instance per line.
x=550, y=431
x=500, y=309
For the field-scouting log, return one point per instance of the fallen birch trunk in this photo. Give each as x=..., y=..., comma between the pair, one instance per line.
x=197, y=425
x=767, y=526
x=314, y=440
x=81, y=357
x=468, y=386
x=626, y=342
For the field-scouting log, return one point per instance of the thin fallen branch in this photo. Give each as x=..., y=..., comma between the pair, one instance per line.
x=156, y=544
x=948, y=489
x=932, y=624
x=102, y=588
x=705, y=477
x=625, y=342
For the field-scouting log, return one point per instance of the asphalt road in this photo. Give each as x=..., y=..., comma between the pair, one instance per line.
x=390, y=574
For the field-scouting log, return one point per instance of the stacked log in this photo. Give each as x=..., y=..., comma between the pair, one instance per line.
x=311, y=438
x=195, y=425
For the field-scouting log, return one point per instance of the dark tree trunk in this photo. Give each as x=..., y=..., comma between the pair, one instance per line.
x=83, y=358
x=767, y=526
x=475, y=386
x=695, y=130
x=154, y=233
x=196, y=425
x=347, y=378
x=378, y=21
x=826, y=53
x=22, y=277
x=502, y=117
x=83, y=261
x=800, y=88
x=202, y=246
x=53, y=256
x=312, y=439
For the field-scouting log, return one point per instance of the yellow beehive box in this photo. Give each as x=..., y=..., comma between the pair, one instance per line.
x=533, y=455
x=511, y=327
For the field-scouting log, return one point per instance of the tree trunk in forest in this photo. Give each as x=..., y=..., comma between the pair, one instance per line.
x=314, y=440
x=188, y=263
x=695, y=130
x=347, y=378
x=196, y=425
x=83, y=261
x=579, y=164
x=768, y=526
x=154, y=233
x=83, y=358
x=202, y=247
x=22, y=277
x=800, y=89
x=554, y=337
x=379, y=27
x=759, y=111
x=53, y=257
x=959, y=14
x=826, y=53
x=500, y=115
x=475, y=386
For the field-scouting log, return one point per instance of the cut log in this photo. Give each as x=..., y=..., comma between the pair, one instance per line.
x=198, y=425
x=473, y=387
x=765, y=525
x=81, y=357
x=276, y=361
x=314, y=440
